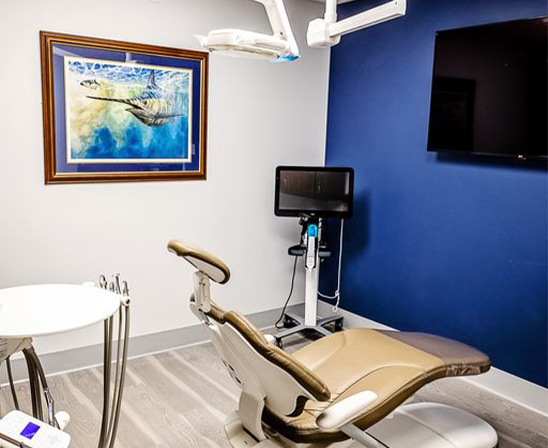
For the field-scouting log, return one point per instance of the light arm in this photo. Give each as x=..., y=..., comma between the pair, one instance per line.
x=371, y=17
x=326, y=32
x=279, y=21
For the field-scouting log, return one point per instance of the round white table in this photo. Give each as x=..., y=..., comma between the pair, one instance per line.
x=40, y=310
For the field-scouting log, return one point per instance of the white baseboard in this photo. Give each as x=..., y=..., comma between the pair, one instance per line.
x=496, y=381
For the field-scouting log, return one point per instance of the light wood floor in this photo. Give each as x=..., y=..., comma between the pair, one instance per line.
x=179, y=399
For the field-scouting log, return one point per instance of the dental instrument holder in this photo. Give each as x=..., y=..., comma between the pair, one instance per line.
x=112, y=397
x=112, y=400
x=313, y=251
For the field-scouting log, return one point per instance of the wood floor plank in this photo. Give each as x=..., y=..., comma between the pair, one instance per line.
x=207, y=361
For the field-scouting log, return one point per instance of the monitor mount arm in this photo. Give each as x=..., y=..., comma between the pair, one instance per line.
x=327, y=32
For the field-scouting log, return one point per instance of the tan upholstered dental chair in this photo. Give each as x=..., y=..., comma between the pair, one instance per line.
x=340, y=390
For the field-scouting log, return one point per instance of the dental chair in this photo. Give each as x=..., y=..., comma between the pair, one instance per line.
x=344, y=390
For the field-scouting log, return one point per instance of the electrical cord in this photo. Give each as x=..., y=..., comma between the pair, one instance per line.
x=337, y=295
x=282, y=315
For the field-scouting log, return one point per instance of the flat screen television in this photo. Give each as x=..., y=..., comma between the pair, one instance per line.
x=489, y=90
x=318, y=192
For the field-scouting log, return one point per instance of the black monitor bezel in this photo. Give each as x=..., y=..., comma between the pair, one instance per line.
x=477, y=152
x=314, y=213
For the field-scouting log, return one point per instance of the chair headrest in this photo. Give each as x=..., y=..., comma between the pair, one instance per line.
x=205, y=262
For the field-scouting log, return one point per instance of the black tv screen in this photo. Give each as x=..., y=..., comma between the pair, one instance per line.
x=489, y=90
x=320, y=192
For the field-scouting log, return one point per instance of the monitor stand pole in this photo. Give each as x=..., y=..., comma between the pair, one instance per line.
x=310, y=248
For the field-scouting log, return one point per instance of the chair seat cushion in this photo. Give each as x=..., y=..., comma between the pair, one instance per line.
x=392, y=364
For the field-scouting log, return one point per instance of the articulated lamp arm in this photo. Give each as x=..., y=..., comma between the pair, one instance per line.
x=279, y=21
x=371, y=17
x=326, y=32
x=275, y=10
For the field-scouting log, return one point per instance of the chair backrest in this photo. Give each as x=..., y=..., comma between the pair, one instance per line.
x=267, y=375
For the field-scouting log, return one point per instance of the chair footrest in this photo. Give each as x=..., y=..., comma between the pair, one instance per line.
x=433, y=425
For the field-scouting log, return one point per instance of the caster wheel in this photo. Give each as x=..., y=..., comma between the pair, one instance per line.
x=339, y=325
x=279, y=343
x=288, y=322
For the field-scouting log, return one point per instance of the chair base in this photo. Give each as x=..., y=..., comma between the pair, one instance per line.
x=417, y=425
x=299, y=326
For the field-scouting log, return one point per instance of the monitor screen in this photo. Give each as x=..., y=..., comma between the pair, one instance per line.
x=320, y=192
x=489, y=89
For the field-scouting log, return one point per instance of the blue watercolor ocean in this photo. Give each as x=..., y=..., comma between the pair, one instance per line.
x=127, y=112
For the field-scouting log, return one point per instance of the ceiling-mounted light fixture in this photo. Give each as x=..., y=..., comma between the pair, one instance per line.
x=326, y=32
x=278, y=47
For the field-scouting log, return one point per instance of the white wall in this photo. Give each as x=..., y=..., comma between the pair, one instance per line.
x=260, y=115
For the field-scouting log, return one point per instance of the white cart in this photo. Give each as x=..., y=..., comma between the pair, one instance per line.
x=41, y=310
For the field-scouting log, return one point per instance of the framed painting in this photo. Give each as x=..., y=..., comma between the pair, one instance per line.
x=118, y=111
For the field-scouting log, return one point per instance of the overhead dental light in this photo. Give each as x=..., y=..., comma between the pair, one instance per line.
x=326, y=32
x=278, y=47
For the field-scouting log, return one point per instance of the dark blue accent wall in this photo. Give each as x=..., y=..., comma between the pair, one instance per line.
x=451, y=245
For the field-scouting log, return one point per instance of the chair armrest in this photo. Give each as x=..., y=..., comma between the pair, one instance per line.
x=345, y=411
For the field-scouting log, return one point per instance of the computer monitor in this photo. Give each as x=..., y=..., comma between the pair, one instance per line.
x=317, y=192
